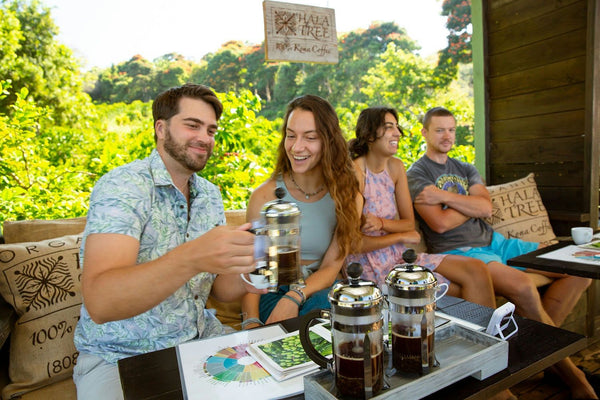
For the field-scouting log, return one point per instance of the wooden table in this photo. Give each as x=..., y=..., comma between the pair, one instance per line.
x=531, y=260
x=535, y=347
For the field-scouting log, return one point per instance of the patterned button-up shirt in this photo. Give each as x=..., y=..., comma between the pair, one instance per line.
x=140, y=200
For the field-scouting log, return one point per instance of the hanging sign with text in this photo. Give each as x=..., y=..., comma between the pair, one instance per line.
x=299, y=33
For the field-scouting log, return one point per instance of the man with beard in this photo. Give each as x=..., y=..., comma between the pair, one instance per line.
x=155, y=247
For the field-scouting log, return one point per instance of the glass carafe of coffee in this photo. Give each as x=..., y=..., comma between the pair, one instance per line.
x=357, y=328
x=412, y=293
x=282, y=239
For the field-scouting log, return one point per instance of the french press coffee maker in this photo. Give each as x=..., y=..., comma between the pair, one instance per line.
x=357, y=328
x=277, y=245
x=412, y=293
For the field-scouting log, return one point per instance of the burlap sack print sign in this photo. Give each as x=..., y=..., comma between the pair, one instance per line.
x=41, y=280
x=518, y=211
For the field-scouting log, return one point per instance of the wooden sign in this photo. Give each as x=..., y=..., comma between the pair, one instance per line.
x=299, y=33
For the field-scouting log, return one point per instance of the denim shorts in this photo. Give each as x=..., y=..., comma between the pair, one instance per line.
x=500, y=249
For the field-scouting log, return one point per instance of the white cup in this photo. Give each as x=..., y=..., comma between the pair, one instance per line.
x=582, y=234
x=259, y=281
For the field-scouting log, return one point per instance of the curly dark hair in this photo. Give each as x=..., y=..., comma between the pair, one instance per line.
x=369, y=120
x=338, y=172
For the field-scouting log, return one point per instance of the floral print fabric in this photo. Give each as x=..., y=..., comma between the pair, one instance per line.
x=380, y=200
x=140, y=200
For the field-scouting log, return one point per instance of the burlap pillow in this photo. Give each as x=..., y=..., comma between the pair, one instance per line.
x=518, y=211
x=41, y=280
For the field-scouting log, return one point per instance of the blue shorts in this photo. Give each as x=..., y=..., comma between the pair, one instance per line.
x=268, y=301
x=500, y=249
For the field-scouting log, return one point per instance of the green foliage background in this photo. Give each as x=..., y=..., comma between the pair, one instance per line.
x=61, y=128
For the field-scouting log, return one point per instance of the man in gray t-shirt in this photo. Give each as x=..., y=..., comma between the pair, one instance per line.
x=451, y=201
x=455, y=177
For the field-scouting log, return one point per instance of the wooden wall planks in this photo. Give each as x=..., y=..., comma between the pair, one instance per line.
x=561, y=73
x=541, y=27
x=504, y=13
x=558, y=124
x=554, y=49
x=537, y=86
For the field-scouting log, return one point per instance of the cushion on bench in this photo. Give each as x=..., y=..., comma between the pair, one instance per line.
x=518, y=211
x=41, y=281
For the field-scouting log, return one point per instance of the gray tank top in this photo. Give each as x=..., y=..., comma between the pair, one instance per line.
x=317, y=225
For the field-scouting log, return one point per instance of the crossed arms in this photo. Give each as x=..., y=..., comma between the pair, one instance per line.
x=459, y=208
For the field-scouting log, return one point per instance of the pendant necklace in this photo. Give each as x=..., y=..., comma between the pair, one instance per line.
x=306, y=195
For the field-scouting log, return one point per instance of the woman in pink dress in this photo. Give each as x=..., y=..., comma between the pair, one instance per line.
x=389, y=224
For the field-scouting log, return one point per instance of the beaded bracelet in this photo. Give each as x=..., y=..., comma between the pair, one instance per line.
x=292, y=299
x=251, y=321
x=300, y=293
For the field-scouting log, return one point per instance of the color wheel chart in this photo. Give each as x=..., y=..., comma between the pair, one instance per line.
x=233, y=364
x=220, y=368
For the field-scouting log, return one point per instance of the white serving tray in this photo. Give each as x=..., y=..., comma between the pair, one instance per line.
x=460, y=351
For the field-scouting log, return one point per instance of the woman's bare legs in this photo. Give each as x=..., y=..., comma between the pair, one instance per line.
x=472, y=276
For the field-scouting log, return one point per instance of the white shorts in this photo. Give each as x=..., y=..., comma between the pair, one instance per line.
x=96, y=379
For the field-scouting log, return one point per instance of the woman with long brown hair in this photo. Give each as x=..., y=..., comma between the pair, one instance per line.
x=314, y=168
